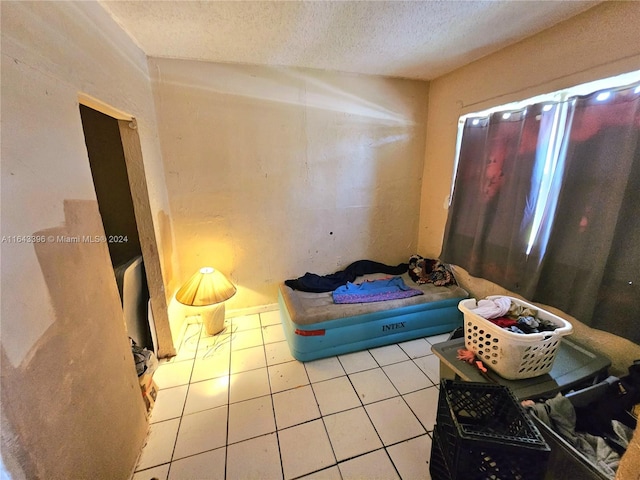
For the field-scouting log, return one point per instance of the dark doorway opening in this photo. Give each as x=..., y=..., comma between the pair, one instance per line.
x=115, y=203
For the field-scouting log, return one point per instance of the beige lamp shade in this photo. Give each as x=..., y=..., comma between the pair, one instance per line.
x=206, y=287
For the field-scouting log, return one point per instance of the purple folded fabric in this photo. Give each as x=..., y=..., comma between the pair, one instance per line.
x=374, y=291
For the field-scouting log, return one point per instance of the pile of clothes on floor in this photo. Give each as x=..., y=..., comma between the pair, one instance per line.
x=600, y=428
x=145, y=360
x=507, y=314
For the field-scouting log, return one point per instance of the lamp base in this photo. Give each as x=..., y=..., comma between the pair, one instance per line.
x=213, y=318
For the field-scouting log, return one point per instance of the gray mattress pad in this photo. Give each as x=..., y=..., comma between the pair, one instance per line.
x=306, y=308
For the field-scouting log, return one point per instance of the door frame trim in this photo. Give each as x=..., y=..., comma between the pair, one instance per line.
x=144, y=219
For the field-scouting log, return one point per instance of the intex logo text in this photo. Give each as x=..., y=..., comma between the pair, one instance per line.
x=393, y=326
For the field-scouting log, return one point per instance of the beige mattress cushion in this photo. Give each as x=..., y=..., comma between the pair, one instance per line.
x=307, y=308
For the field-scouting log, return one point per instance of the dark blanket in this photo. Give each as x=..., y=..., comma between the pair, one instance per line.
x=310, y=282
x=427, y=270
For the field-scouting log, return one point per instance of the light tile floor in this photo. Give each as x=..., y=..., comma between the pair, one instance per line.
x=238, y=406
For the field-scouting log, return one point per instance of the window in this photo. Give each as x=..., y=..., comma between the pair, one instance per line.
x=544, y=200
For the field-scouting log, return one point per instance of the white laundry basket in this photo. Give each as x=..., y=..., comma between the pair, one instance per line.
x=513, y=356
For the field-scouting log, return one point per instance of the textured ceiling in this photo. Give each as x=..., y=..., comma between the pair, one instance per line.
x=412, y=39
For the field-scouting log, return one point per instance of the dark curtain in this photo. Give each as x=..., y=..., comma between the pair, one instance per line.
x=495, y=193
x=547, y=204
x=591, y=266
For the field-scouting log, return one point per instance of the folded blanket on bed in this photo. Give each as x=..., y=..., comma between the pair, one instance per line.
x=311, y=282
x=374, y=291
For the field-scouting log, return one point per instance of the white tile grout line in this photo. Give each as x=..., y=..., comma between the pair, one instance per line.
x=273, y=408
x=226, y=444
x=193, y=360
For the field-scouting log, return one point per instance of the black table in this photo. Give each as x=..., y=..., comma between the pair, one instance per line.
x=574, y=367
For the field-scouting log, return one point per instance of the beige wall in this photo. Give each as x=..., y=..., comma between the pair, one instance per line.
x=273, y=172
x=71, y=405
x=599, y=43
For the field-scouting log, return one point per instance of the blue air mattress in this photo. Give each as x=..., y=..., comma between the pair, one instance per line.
x=315, y=327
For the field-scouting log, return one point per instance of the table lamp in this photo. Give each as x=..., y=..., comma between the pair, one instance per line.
x=207, y=289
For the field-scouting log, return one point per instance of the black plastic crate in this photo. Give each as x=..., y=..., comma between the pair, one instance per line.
x=484, y=433
x=437, y=465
